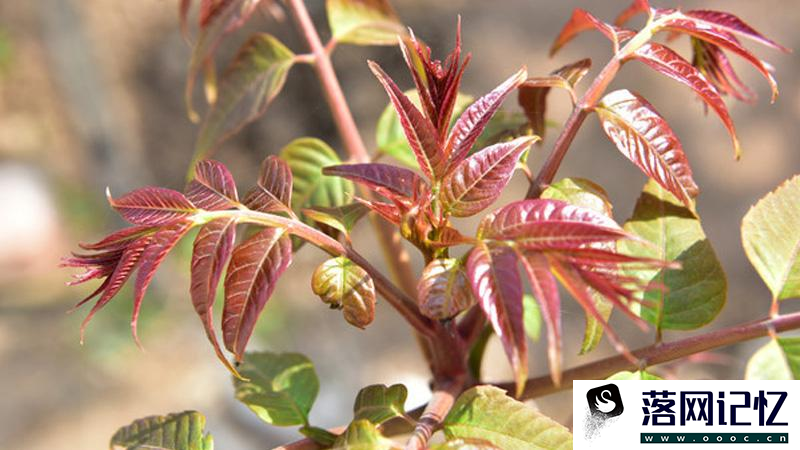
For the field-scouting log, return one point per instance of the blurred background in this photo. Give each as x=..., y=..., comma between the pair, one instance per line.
x=91, y=96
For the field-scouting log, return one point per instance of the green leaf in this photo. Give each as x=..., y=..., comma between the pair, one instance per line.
x=593, y=330
x=378, y=403
x=363, y=435
x=532, y=317
x=178, y=431
x=319, y=435
x=364, y=22
x=306, y=157
x=588, y=194
x=486, y=412
x=389, y=135
x=771, y=238
x=341, y=283
x=777, y=360
x=465, y=444
x=342, y=218
x=696, y=292
x=280, y=389
x=580, y=192
x=638, y=375
x=247, y=87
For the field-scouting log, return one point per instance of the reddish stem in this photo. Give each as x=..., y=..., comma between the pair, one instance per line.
x=660, y=353
x=442, y=400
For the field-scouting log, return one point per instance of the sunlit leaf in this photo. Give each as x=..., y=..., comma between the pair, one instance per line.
x=545, y=292
x=714, y=64
x=178, y=431
x=363, y=435
x=532, y=96
x=678, y=22
x=306, y=157
x=732, y=24
x=636, y=7
x=496, y=283
x=771, y=238
x=443, y=290
x=645, y=138
x=247, y=87
x=581, y=21
x=212, y=187
x=212, y=250
x=777, y=360
x=419, y=131
x=364, y=22
x=343, y=284
x=390, y=137
x=664, y=60
x=389, y=181
x=696, y=293
x=379, y=403
x=587, y=194
x=319, y=435
x=274, y=189
x=279, y=387
x=471, y=123
x=480, y=179
x=152, y=206
x=256, y=265
x=487, y=413
x=638, y=375
x=466, y=444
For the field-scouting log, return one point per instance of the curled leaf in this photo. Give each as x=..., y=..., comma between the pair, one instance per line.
x=363, y=22
x=178, y=431
x=443, y=289
x=580, y=21
x=343, y=284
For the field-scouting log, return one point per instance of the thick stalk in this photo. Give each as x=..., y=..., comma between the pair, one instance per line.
x=660, y=353
x=389, y=238
x=442, y=400
x=439, y=350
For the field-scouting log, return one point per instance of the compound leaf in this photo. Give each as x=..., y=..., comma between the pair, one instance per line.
x=177, y=431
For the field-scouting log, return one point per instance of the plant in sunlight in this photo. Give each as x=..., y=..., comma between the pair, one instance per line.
x=456, y=155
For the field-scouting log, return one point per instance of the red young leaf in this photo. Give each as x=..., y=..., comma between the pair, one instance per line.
x=152, y=206
x=449, y=237
x=390, y=181
x=708, y=32
x=217, y=18
x=437, y=82
x=666, y=61
x=388, y=211
x=274, y=189
x=712, y=62
x=474, y=119
x=496, y=283
x=581, y=292
x=419, y=131
x=128, y=262
x=646, y=139
x=581, y=21
x=635, y=8
x=212, y=249
x=119, y=239
x=163, y=241
x=549, y=224
x=443, y=289
x=532, y=96
x=545, y=291
x=732, y=24
x=478, y=180
x=213, y=187
x=255, y=267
